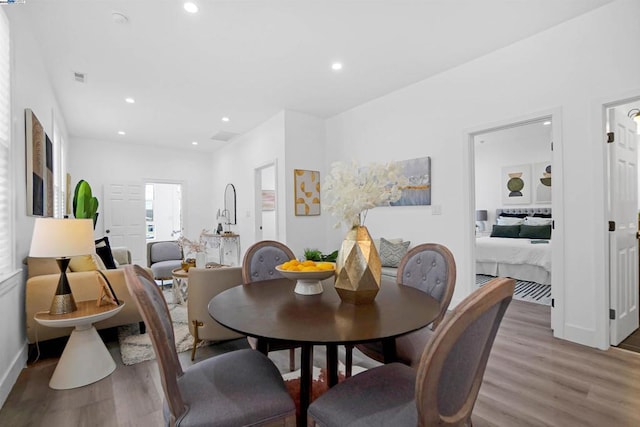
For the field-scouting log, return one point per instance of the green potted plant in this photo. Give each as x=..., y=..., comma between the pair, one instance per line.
x=85, y=205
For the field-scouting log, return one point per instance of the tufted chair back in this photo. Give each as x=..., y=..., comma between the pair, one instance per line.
x=261, y=259
x=431, y=268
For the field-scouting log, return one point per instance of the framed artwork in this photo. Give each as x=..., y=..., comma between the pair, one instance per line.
x=516, y=185
x=307, y=192
x=36, y=168
x=418, y=191
x=268, y=200
x=542, y=182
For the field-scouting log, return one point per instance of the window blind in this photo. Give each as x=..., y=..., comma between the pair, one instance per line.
x=6, y=218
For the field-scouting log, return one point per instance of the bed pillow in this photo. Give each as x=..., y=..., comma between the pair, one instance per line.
x=391, y=253
x=535, y=231
x=542, y=215
x=513, y=215
x=507, y=220
x=532, y=220
x=511, y=231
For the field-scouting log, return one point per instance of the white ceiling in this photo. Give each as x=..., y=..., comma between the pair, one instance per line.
x=251, y=59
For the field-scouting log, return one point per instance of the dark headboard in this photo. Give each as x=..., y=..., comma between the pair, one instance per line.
x=528, y=211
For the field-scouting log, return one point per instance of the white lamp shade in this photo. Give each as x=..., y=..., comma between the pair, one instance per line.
x=58, y=238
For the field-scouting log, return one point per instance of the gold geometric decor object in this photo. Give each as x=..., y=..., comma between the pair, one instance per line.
x=358, y=268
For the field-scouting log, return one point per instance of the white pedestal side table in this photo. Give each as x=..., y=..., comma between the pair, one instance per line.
x=85, y=358
x=180, y=285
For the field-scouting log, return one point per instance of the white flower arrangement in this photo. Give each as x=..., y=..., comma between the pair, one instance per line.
x=190, y=246
x=351, y=190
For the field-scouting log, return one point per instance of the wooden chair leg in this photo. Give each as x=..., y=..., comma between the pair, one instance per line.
x=348, y=360
x=196, y=339
x=292, y=359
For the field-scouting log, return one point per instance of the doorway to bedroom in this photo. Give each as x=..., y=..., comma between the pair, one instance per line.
x=513, y=168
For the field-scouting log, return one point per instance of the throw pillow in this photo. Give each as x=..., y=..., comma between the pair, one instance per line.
x=511, y=231
x=103, y=249
x=535, y=231
x=376, y=242
x=391, y=253
x=83, y=263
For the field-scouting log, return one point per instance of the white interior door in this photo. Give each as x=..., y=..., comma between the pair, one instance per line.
x=623, y=244
x=124, y=218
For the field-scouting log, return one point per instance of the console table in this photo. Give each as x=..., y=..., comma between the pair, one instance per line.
x=228, y=246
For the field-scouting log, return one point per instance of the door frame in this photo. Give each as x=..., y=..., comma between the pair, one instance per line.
x=257, y=191
x=601, y=240
x=557, y=273
x=183, y=195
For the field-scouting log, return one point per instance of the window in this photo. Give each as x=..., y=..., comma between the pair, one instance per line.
x=6, y=203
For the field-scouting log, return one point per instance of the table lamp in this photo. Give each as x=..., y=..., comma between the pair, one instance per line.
x=481, y=217
x=62, y=239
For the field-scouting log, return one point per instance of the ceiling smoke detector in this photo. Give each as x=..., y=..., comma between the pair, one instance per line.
x=79, y=77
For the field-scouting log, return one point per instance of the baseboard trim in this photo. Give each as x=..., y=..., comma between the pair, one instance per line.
x=11, y=375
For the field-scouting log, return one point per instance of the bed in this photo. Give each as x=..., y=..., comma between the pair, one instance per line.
x=527, y=259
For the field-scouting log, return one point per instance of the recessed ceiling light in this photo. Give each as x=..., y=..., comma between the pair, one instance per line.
x=194, y=143
x=121, y=132
x=225, y=119
x=547, y=123
x=336, y=66
x=130, y=100
x=190, y=7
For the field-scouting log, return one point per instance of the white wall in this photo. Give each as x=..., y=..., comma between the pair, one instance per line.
x=30, y=89
x=304, y=136
x=572, y=67
x=520, y=145
x=235, y=163
x=101, y=162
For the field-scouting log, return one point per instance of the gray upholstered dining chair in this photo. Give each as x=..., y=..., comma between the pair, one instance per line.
x=444, y=388
x=237, y=388
x=259, y=265
x=431, y=268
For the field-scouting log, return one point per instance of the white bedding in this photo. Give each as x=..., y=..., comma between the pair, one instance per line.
x=517, y=258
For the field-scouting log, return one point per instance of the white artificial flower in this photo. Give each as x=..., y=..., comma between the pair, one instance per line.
x=351, y=190
x=190, y=246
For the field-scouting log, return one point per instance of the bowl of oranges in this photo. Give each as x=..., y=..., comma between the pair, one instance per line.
x=307, y=275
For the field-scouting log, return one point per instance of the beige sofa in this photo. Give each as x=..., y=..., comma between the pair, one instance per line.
x=204, y=284
x=43, y=276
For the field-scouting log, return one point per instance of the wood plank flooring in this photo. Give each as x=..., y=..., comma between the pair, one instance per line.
x=532, y=379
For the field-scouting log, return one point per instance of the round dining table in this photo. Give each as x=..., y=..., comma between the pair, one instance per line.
x=271, y=309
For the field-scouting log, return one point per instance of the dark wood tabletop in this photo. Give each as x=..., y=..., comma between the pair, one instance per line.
x=271, y=309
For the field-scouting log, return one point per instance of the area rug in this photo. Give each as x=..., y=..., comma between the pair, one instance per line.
x=319, y=383
x=136, y=347
x=525, y=291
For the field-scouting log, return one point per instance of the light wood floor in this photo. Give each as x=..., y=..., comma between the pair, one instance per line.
x=532, y=379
